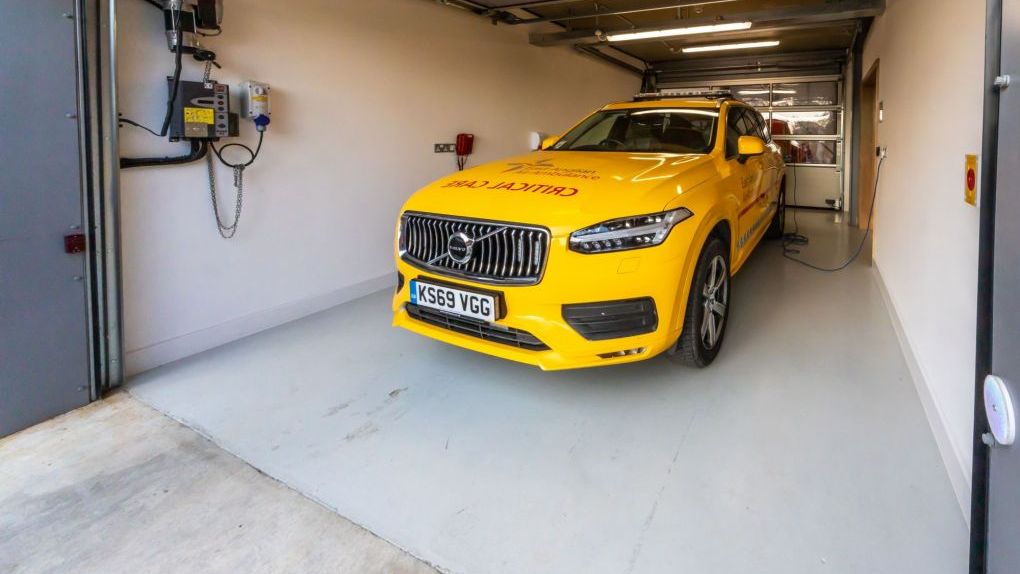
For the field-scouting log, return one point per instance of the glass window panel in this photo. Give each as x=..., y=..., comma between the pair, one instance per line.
x=804, y=123
x=756, y=95
x=806, y=94
x=813, y=152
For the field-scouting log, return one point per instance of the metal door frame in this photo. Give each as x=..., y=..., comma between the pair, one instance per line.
x=95, y=28
x=986, y=268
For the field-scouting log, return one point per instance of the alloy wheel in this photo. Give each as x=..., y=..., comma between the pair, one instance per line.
x=715, y=297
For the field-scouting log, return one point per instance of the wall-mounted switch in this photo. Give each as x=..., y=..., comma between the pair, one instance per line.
x=970, y=179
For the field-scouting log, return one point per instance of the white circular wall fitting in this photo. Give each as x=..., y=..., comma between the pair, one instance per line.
x=999, y=410
x=535, y=140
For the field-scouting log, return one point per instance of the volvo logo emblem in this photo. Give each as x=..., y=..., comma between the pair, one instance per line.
x=459, y=247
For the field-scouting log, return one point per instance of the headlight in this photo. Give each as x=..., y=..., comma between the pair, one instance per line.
x=401, y=236
x=628, y=232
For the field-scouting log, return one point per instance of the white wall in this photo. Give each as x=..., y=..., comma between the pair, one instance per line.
x=931, y=56
x=361, y=92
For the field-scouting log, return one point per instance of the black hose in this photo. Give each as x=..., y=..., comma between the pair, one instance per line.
x=797, y=239
x=253, y=153
x=198, y=150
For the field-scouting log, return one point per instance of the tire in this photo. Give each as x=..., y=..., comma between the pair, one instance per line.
x=702, y=337
x=777, y=227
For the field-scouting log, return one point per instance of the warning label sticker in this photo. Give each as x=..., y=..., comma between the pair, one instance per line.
x=199, y=116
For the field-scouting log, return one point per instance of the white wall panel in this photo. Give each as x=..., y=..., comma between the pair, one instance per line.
x=931, y=55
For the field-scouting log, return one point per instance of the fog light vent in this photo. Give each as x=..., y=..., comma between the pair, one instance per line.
x=626, y=353
x=612, y=319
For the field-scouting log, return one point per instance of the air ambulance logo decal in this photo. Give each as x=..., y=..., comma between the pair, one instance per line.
x=523, y=165
x=545, y=167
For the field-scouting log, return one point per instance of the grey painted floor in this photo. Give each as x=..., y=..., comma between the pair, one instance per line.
x=116, y=488
x=804, y=448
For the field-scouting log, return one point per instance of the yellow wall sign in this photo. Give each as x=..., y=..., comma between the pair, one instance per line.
x=199, y=116
x=970, y=181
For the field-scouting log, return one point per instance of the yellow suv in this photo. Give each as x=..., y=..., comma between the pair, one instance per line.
x=614, y=243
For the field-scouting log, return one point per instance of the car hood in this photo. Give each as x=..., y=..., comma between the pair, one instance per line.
x=563, y=189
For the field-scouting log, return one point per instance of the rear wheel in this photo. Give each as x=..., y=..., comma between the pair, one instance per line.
x=778, y=225
x=707, y=308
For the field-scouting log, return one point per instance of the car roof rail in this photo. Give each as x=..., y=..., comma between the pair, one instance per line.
x=674, y=94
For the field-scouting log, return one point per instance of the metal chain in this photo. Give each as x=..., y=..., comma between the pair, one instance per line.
x=226, y=231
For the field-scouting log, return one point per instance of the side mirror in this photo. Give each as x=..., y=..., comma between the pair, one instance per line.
x=748, y=146
x=549, y=141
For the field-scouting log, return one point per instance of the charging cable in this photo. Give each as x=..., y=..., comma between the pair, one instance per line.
x=795, y=238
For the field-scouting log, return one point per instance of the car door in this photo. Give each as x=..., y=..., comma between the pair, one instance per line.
x=746, y=177
x=769, y=195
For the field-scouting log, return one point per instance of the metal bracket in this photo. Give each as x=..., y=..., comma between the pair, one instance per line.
x=1001, y=83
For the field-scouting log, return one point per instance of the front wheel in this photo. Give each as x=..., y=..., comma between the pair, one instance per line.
x=708, y=306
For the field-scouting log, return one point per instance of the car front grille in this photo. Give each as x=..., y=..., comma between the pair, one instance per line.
x=506, y=253
x=480, y=329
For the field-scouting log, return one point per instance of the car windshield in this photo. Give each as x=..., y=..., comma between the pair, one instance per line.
x=658, y=130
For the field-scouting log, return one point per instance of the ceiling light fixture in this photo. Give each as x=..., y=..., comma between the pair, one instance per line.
x=669, y=32
x=741, y=46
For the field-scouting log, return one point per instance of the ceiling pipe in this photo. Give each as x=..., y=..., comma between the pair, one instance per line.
x=595, y=52
x=465, y=5
x=508, y=18
x=527, y=5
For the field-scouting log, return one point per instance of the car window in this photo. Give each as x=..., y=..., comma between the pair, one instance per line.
x=597, y=132
x=737, y=124
x=660, y=130
x=763, y=130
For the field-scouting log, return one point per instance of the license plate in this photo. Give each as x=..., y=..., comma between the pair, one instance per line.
x=442, y=298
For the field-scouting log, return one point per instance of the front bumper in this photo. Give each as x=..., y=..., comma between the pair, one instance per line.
x=572, y=278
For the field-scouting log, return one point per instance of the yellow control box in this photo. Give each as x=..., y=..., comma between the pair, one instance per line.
x=970, y=181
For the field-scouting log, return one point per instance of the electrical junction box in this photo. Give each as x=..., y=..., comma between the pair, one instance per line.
x=255, y=100
x=202, y=111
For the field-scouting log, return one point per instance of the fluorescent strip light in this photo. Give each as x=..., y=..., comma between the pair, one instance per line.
x=741, y=46
x=728, y=27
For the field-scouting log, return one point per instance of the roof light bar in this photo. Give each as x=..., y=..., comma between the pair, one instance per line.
x=669, y=32
x=740, y=46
